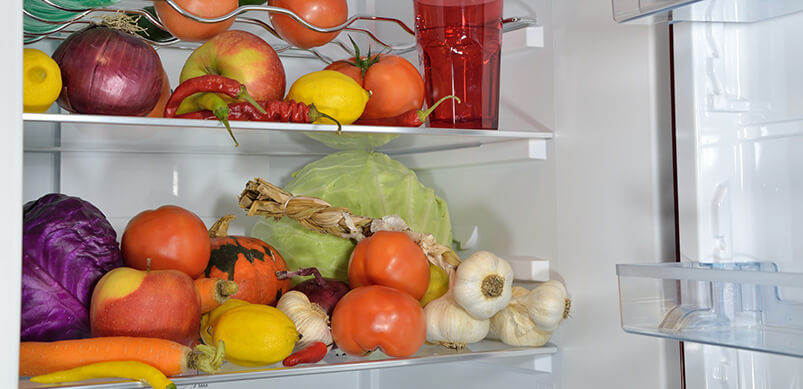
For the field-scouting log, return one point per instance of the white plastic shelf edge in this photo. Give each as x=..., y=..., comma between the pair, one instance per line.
x=523, y=39
x=496, y=152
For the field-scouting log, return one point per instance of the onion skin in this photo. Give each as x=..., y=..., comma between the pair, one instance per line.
x=325, y=292
x=108, y=72
x=326, y=295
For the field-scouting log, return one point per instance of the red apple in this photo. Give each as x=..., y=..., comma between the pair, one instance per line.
x=242, y=56
x=158, y=303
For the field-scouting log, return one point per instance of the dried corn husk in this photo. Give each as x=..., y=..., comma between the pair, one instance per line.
x=265, y=199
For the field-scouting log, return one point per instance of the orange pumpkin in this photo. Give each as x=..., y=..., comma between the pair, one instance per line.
x=251, y=263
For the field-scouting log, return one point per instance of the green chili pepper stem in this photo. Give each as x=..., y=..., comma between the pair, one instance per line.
x=223, y=116
x=213, y=102
x=314, y=115
x=245, y=96
x=422, y=115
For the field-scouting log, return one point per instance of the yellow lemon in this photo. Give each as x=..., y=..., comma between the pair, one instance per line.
x=209, y=319
x=41, y=81
x=438, y=285
x=333, y=93
x=256, y=335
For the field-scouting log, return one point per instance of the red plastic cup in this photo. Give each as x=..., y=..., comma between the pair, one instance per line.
x=459, y=43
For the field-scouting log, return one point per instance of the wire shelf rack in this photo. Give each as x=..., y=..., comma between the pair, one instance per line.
x=244, y=15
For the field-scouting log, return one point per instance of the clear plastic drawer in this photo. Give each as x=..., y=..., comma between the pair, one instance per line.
x=744, y=305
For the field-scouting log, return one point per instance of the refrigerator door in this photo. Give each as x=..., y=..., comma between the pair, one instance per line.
x=739, y=122
x=739, y=137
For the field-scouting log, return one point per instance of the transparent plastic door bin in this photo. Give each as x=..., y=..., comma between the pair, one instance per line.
x=744, y=305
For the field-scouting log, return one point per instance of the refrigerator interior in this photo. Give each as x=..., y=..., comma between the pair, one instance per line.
x=579, y=175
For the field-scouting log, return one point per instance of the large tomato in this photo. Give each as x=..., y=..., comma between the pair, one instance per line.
x=171, y=237
x=391, y=259
x=187, y=29
x=376, y=316
x=320, y=13
x=395, y=84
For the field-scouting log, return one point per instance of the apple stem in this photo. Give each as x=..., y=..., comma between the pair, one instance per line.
x=147, y=264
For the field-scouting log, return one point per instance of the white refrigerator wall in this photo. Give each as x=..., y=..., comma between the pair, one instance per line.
x=613, y=189
x=603, y=196
x=11, y=195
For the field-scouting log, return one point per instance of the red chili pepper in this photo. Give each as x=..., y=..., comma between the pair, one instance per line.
x=275, y=111
x=311, y=354
x=411, y=118
x=211, y=101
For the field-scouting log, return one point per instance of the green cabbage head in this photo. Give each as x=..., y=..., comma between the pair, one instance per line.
x=368, y=183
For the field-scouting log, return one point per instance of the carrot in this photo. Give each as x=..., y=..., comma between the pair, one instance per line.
x=169, y=357
x=214, y=292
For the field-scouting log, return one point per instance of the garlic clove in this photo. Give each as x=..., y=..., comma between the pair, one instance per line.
x=548, y=304
x=512, y=325
x=484, y=284
x=450, y=325
x=310, y=319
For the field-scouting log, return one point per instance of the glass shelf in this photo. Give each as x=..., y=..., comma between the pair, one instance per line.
x=422, y=147
x=336, y=362
x=748, y=305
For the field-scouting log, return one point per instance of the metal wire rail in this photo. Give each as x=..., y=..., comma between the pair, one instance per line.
x=83, y=15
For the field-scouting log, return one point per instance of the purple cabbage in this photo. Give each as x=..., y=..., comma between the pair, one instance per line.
x=67, y=245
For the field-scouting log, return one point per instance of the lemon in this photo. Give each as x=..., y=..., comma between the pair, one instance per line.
x=333, y=93
x=41, y=81
x=438, y=285
x=256, y=334
x=209, y=319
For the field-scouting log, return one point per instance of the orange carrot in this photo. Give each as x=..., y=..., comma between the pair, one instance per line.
x=214, y=292
x=169, y=357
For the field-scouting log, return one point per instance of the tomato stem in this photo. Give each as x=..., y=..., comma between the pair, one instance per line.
x=363, y=64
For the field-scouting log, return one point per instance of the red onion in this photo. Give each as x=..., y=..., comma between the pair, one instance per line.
x=325, y=292
x=108, y=72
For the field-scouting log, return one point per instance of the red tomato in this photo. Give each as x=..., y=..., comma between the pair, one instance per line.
x=172, y=237
x=187, y=29
x=391, y=259
x=320, y=13
x=378, y=316
x=395, y=85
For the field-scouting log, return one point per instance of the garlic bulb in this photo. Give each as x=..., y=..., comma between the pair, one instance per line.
x=310, y=319
x=548, y=305
x=483, y=285
x=512, y=325
x=450, y=325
